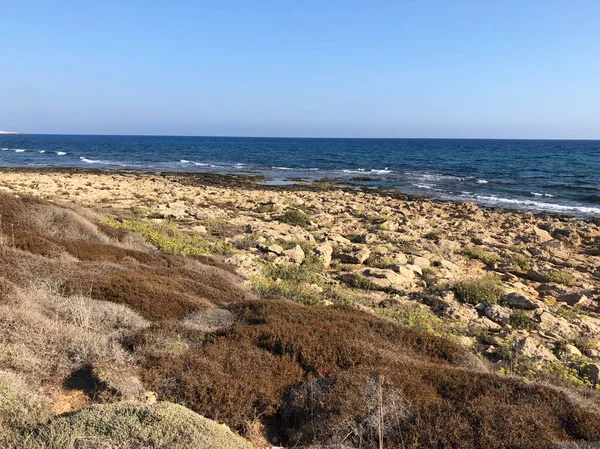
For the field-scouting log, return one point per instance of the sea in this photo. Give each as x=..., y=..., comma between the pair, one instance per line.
x=554, y=176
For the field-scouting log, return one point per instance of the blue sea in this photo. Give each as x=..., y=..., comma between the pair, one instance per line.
x=558, y=176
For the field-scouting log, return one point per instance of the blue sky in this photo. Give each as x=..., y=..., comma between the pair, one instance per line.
x=513, y=69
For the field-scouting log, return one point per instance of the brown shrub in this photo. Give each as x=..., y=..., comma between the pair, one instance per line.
x=157, y=293
x=308, y=373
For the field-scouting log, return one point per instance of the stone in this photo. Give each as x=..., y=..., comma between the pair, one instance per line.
x=496, y=313
x=592, y=370
x=400, y=259
x=554, y=324
x=572, y=351
x=536, y=276
x=246, y=265
x=337, y=239
x=541, y=235
x=273, y=248
x=573, y=299
x=368, y=238
x=518, y=301
x=357, y=255
x=388, y=225
x=533, y=349
x=295, y=254
x=421, y=262
x=414, y=268
x=199, y=229
x=324, y=252
x=384, y=278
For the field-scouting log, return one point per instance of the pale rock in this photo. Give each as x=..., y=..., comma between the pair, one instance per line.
x=496, y=313
x=542, y=235
x=414, y=268
x=357, y=255
x=384, y=278
x=554, y=324
x=400, y=259
x=246, y=265
x=272, y=248
x=199, y=229
x=421, y=262
x=337, y=239
x=533, y=349
x=295, y=254
x=519, y=301
x=572, y=351
x=388, y=225
x=324, y=251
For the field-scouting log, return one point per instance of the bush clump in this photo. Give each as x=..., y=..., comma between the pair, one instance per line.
x=486, y=257
x=562, y=277
x=295, y=217
x=168, y=238
x=486, y=289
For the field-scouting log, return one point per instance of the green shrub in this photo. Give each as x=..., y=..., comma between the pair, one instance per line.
x=268, y=288
x=522, y=261
x=521, y=320
x=562, y=277
x=486, y=289
x=295, y=217
x=486, y=257
x=169, y=239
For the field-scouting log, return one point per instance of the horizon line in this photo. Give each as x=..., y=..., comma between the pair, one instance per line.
x=17, y=133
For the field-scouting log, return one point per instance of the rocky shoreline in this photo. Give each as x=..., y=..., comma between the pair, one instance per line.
x=521, y=290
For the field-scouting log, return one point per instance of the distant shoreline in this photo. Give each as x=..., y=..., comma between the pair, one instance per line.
x=257, y=182
x=9, y=132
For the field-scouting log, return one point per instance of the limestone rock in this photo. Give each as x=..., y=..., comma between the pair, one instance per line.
x=533, y=349
x=388, y=225
x=496, y=313
x=273, y=248
x=324, y=251
x=541, y=235
x=384, y=278
x=573, y=299
x=294, y=254
x=356, y=255
x=421, y=262
x=519, y=301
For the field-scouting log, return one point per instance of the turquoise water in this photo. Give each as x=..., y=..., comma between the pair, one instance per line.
x=541, y=175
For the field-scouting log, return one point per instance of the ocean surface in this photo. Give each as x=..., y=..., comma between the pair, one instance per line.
x=558, y=176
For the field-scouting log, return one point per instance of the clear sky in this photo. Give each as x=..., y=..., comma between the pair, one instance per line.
x=514, y=69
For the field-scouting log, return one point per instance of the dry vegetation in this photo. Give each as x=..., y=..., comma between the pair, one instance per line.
x=93, y=317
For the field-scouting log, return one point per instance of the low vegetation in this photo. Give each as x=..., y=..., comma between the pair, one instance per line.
x=486, y=289
x=562, y=277
x=97, y=320
x=475, y=252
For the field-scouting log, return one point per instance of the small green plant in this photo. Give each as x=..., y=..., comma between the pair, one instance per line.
x=378, y=261
x=522, y=261
x=486, y=289
x=562, y=277
x=416, y=316
x=169, y=239
x=295, y=217
x=474, y=252
x=521, y=320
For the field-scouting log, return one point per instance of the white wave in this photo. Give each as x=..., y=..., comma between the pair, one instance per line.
x=282, y=168
x=546, y=195
x=93, y=161
x=423, y=186
x=372, y=171
x=541, y=206
x=434, y=177
x=19, y=151
x=200, y=164
x=482, y=181
x=42, y=151
x=60, y=153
